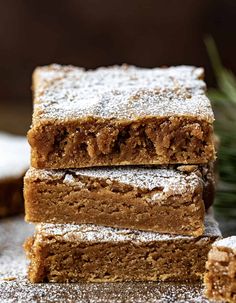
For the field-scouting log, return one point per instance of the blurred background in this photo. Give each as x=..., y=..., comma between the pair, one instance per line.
x=92, y=33
x=145, y=33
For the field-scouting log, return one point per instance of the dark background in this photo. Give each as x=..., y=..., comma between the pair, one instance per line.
x=91, y=33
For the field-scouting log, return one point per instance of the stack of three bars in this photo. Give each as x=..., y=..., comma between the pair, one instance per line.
x=102, y=222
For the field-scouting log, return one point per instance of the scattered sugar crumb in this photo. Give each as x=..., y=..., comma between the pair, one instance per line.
x=229, y=242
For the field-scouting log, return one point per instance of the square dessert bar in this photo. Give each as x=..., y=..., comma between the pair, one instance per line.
x=72, y=253
x=166, y=200
x=220, y=278
x=14, y=161
x=120, y=115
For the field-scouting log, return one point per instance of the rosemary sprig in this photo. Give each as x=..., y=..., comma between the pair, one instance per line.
x=224, y=104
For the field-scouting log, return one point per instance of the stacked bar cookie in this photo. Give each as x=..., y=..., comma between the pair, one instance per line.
x=122, y=174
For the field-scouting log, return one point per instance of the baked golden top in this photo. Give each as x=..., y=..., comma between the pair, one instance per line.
x=94, y=233
x=170, y=181
x=119, y=92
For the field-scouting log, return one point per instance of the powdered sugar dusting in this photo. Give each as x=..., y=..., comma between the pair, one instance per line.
x=94, y=233
x=14, y=286
x=14, y=156
x=168, y=180
x=229, y=242
x=119, y=92
x=128, y=292
x=13, y=232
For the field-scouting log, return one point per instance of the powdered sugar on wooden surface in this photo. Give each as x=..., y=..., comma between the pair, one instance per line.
x=119, y=92
x=14, y=156
x=15, y=288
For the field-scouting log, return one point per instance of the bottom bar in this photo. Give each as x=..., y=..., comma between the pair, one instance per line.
x=72, y=253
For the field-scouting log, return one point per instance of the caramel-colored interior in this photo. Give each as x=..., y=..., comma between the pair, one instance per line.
x=97, y=142
x=53, y=259
x=114, y=204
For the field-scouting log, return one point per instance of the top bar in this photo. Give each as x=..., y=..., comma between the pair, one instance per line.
x=120, y=115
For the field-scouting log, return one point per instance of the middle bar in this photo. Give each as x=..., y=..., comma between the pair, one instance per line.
x=166, y=200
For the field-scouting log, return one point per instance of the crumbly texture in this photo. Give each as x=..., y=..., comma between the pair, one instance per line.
x=120, y=115
x=166, y=200
x=15, y=287
x=14, y=161
x=220, y=278
x=91, y=253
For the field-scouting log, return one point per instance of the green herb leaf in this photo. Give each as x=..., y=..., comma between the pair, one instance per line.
x=224, y=104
